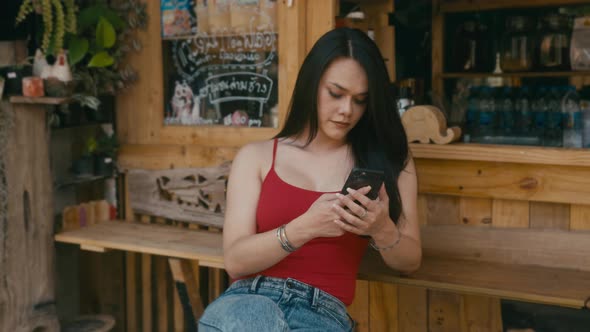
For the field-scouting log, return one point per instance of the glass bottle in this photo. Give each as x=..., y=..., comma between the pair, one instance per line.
x=523, y=115
x=506, y=119
x=539, y=107
x=487, y=112
x=517, y=44
x=554, y=43
x=472, y=48
x=554, y=125
x=572, y=118
x=472, y=115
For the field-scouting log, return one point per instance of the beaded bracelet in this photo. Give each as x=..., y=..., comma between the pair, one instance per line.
x=374, y=246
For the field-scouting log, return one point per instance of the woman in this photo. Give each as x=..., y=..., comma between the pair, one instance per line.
x=291, y=241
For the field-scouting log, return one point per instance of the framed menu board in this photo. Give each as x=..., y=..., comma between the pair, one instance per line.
x=221, y=69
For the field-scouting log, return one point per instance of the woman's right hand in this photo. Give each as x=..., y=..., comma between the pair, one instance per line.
x=322, y=215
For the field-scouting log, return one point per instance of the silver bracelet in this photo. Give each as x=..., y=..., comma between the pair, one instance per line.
x=282, y=236
x=374, y=246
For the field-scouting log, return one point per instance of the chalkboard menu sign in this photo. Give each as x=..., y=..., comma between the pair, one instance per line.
x=223, y=71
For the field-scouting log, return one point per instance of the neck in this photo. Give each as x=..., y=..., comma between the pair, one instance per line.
x=320, y=144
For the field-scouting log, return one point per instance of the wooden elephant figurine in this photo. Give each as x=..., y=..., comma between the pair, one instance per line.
x=427, y=123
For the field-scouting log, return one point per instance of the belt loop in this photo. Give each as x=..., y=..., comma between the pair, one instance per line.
x=316, y=297
x=254, y=285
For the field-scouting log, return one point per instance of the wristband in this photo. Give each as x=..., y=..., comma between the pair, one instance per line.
x=282, y=236
x=374, y=246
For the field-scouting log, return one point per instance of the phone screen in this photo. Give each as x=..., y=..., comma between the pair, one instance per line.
x=361, y=177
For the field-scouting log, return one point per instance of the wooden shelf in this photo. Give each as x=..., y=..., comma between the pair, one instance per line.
x=204, y=246
x=213, y=35
x=517, y=75
x=503, y=153
x=563, y=287
x=73, y=180
x=40, y=100
x=456, y=6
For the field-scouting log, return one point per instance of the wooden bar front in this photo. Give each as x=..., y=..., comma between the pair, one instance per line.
x=472, y=188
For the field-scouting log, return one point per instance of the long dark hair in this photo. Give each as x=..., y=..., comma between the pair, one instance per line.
x=378, y=140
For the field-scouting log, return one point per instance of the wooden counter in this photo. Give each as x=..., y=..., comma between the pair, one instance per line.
x=485, y=271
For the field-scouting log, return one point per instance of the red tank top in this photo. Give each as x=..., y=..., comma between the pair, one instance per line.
x=330, y=264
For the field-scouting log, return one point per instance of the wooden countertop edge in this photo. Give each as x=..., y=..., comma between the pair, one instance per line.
x=467, y=289
x=503, y=153
x=162, y=156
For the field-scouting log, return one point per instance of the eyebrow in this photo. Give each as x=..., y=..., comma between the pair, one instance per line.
x=345, y=89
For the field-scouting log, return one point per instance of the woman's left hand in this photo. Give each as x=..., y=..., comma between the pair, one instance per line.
x=367, y=217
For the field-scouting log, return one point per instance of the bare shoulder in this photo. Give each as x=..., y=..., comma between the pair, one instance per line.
x=254, y=156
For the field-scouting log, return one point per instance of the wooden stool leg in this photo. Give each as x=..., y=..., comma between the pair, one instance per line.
x=188, y=289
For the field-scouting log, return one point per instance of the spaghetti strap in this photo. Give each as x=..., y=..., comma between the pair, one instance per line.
x=274, y=152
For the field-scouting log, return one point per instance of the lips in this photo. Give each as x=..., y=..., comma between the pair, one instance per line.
x=341, y=124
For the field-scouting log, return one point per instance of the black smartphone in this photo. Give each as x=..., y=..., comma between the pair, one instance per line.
x=361, y=177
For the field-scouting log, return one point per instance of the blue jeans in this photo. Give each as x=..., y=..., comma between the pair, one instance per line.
x=265, y=304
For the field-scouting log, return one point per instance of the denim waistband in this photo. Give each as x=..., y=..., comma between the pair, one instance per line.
x=315, y=295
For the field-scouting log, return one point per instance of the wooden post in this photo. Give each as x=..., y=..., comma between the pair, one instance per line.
x=27, y=255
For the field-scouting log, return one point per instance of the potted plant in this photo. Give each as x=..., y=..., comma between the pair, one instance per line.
x=97, y=52
x=58, y=17
x=97, y=35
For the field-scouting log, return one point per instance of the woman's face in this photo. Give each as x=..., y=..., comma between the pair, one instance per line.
x=342, y=98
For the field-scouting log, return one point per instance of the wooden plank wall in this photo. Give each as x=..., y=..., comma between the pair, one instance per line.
x=410, y=308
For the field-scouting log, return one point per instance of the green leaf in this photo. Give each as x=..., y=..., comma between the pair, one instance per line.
x=105, y=34
x=114, y=18
x=88, y=17
x=101, y=59
x=77, y=48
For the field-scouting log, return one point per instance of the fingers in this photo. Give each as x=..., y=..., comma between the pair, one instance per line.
x=328, y=197
x=349, y=221
x=348, y=227
x=359, y=196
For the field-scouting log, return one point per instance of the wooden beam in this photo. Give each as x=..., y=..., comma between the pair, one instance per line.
x=443, y=311
x=131, y=300
x=438, y=25
x=359, y=309
x=146, y=292
x=162, y=156
x=502, y=153
x=378, y=18
x=579, y=217
x=508, y=213
x=470, y=5
x=93, y=248
x=413, y=313
x=320, y=18
x=563, y=287
x=541, y=183
x=216, y=136
x=383, y=307
x=543, y=247
x=187, y=287
x=39, y=100
x=140, y=109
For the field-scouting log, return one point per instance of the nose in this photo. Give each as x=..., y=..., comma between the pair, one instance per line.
x=346, y=106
